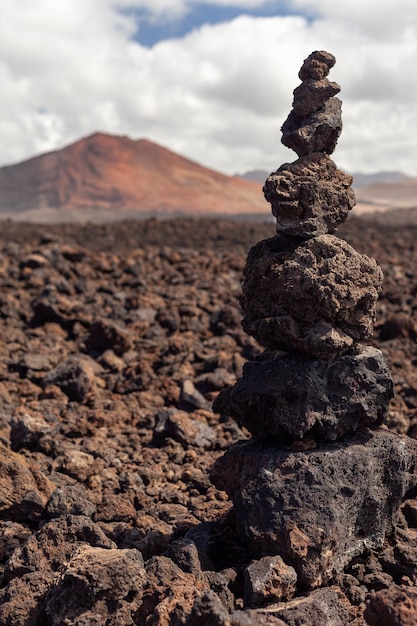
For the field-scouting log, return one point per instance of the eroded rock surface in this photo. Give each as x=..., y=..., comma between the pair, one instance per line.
x=315, y=123
x=316, y=296
x=111, y=352
x=309, y=197
x=24, y=490
x=309, y=298
x=97, y=586
x=318, y=509
x=144, y=452
x=318, y=398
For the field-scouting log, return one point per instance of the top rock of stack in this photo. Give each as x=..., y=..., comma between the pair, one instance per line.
x=315, y=123
x=311, y=197
x=317, y=65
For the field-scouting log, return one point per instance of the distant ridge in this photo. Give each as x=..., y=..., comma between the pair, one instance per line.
x=362, y=180
x=113, y=176
x=359, y=180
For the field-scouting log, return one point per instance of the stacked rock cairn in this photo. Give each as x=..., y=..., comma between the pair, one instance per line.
x=320, y=481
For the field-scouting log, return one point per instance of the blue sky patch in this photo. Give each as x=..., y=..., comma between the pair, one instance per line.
x=151, y=31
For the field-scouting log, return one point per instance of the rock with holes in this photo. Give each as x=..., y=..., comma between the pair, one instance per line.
x=315, y=122
x=316, y=296
x=309, y=197
x=285, y=396
x=319, y=508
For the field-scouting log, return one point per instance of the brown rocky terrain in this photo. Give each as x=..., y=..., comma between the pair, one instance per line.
x=105, y=177
x=116, y=339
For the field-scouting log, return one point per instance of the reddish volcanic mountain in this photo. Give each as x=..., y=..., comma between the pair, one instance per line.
x=104, y=174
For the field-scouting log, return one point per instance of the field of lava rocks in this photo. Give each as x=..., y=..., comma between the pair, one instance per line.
x=115, y=340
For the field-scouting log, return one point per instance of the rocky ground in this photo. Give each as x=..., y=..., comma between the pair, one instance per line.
x=115, y=341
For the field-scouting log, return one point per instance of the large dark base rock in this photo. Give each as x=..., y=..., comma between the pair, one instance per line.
x=318, y=509
x=285, y=397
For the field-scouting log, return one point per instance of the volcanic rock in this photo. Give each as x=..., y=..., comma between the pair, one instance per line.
x=316, y=296
x=24, y=490
x=169, y=593
x=309, y=197
x=315, y=123
x=318, y=509
x=70, y=500
x=283, y=397
x=33, y=569
x=22, y=601
x=208, y=611
x=106, y=177
x=317, y=65
x=317, y=132
x=97, y=586
x=181, y=261
x=322, y=607
x=75, y=376
x=392, y=607
x=127, y=462
x=53, y=545
x=269, y=580
x=312, y=94
x=27, y=428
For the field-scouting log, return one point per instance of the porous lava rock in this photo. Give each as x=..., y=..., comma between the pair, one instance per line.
x=316, y=296
x=118, y=484
x=319, y=483
x=24, y=490
x=309, y=197
x=316, y=132
x=317, y=65
x=392, y=607
x=322, y=607
x=320, y=508
x=97, y=586
x=325, y=400
x=269, y=580
x=315, y=123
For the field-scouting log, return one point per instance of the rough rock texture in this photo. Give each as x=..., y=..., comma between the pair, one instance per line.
x=315, y=123
x=317, y=132
x=316, y=296
x=24, y=490
x=97, y=586
x=316, y=398
x=322, y=606
x=33, y=570
x=269, y=580
x=174, y=286
x=110, y=361
x=318, y=509
x=209, y=611
x=392, y=607
x=317, y=65
x=311, y=95
x=309, y=197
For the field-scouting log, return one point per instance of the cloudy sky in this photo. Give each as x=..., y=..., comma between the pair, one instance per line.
x=212, y=80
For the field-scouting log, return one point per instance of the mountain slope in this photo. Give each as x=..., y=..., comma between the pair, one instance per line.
x=110, y=173
x=395, y=195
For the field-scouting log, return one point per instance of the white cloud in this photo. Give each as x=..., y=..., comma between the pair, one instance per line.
x=218, y=95
x=378, y=18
